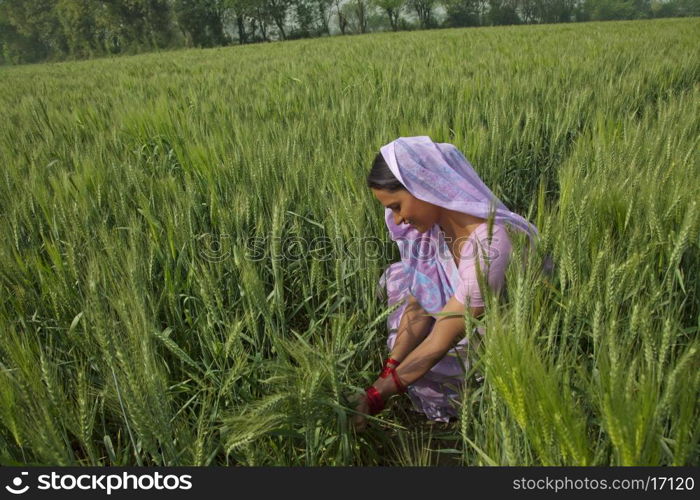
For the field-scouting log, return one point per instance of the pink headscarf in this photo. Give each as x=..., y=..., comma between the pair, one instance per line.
x=439, y=174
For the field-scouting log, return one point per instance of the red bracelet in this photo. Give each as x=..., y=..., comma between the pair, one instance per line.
x=391, y=361
x=389, y=365
x=375, y=400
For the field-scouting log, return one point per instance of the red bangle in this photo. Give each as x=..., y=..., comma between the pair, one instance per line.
x=375, y=400
x=389, y=365
x=392, y=361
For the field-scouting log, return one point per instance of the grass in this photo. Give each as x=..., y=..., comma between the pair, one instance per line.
x=153, y=309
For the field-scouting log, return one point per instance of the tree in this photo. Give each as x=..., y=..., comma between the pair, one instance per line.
x=133, y=24
x=262, y=18
x=342, y=16
x=527, y=10
x=249, y=16
x=557, y=11
x=424, y=11
x=305, y=17
x=159, y=22
x=674, y=8
x=238, y=12
x=356, y=13
x=392, y=8
x=34, y=31
x=503, y=12
x=201, y=21
x=277, y=10
x=77, y=19
x=312, y=17
x=603, y=10
x=464, y=12
x=324, y=8
x=17, y=47
x=687, y=8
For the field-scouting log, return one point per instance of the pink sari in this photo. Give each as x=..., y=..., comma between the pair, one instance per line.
x=438, y=173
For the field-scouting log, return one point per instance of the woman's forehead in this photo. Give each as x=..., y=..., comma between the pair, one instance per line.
x=387, y=197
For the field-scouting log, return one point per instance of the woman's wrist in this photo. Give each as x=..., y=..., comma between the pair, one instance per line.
x=388, y=384
x=386, y=387
x=375, y=402
x=392, y=361
x=389, y=364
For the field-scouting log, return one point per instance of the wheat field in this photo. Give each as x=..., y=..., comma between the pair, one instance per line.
x=161, y=303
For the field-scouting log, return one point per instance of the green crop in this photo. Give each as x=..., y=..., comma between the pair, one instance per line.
x=153, y=310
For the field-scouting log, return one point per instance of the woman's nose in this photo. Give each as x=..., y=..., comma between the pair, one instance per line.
x=397, y=219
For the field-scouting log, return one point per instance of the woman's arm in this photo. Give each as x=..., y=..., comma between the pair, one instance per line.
x=445, y=334
x=414, y=326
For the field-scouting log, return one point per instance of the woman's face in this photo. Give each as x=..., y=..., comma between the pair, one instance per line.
x=408, y=209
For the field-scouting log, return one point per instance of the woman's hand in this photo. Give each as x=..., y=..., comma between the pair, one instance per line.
x=359, y=422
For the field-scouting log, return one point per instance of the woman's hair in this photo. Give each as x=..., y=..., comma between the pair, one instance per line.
x=381, y=177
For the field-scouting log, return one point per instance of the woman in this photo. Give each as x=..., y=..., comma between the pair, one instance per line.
x=451, y=234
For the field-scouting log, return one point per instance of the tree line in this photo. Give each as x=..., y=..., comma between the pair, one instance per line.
x=54, y=30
